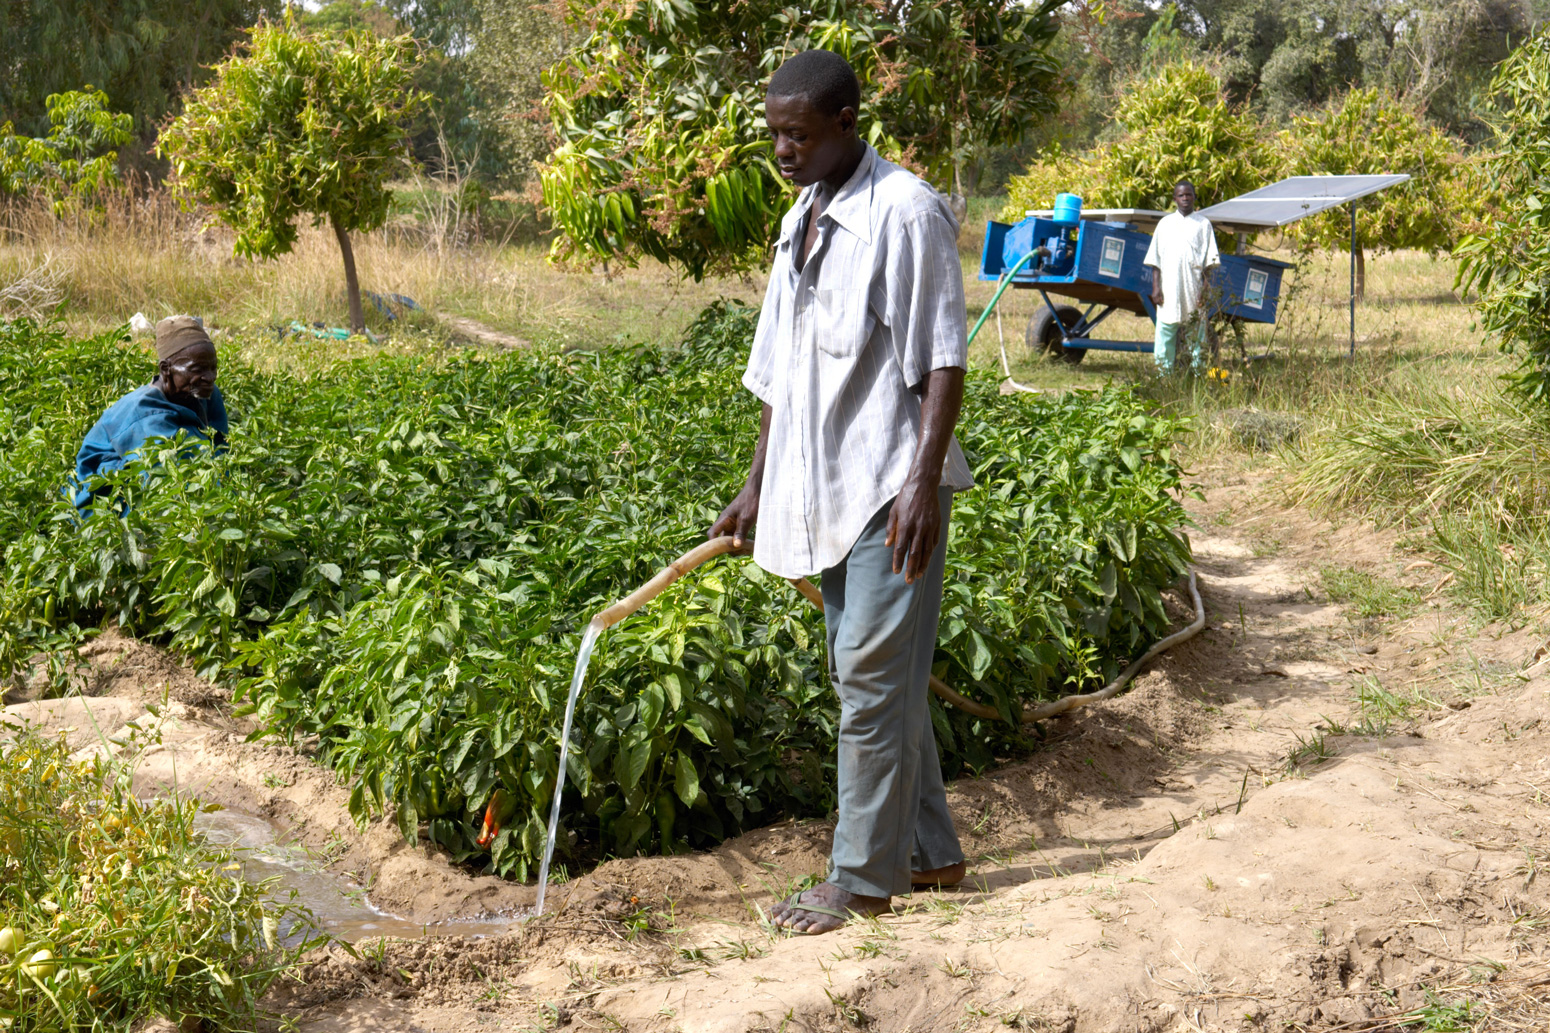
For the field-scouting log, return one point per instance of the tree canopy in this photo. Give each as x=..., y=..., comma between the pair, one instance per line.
x=1507, y=261
x=1286, y=57
x=78, y=158
x=1180, y=126
x=298, y=124
x=658, y=107
x=1371, y=132
x=142, y=53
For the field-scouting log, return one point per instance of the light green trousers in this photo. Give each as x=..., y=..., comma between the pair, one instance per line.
x=1165, y=344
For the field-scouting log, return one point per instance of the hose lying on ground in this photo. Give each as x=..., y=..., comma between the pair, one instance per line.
x=721, y=546
x=1067, y=703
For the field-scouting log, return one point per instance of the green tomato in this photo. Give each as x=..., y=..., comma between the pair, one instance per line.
x=10, y=941
x=41, y=965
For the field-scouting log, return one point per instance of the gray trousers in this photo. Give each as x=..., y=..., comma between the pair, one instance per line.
x=882, y=633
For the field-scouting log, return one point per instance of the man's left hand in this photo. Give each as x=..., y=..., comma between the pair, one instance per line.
x=914, y=526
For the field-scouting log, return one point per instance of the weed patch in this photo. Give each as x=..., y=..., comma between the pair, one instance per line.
x=118, y=911
x=1367, y=594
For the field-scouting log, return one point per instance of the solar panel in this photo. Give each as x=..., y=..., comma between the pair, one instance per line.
x=1283, y=203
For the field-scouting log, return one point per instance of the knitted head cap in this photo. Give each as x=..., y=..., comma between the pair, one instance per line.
x=175, y=333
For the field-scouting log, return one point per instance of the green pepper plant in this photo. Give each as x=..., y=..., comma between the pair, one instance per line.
x=396, y=560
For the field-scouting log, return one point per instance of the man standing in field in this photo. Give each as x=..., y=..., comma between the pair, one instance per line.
x=1182, y=251
x=859, y=359
x=181, y=398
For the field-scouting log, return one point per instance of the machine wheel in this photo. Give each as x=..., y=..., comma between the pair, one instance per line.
x=1044, y=335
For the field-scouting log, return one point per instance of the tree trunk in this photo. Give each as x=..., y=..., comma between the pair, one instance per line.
x=352, y=285
x=1361, y=274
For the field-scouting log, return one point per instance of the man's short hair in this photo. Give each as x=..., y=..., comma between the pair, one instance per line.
x=823, y=78
x=1183, y=183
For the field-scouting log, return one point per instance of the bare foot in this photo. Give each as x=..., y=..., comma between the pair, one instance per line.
x=939, y=878
x=823, y=909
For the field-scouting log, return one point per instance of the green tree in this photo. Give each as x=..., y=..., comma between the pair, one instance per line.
x=658, y=109
x=76, y=161
x=343, y=16
x=299, y=124
x=1289, y=55
x=515, y=42
x=142, y=53
x=459, y=125
x=1370, y=132
x=1179, y=125
x=1507, y=260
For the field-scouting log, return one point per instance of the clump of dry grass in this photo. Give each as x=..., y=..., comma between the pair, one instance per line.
x=144, y=253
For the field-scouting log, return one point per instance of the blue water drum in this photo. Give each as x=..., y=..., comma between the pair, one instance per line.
x=1068, y=209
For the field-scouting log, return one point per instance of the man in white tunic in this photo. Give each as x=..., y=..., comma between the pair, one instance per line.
x=859, y=359
x=1182, y=251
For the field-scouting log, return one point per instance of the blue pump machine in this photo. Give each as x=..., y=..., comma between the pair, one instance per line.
x=1099, y=264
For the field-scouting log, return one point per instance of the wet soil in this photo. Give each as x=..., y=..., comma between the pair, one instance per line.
x=1233, y=844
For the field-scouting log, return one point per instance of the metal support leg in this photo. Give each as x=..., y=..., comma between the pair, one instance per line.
x=1352, y=353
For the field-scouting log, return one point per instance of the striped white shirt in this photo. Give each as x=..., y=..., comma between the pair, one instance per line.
x=840, y=353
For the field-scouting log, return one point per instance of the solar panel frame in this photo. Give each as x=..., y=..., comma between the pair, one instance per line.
x=1297, y=197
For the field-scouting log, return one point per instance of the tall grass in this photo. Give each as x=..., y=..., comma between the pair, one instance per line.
x=1454, y=453
x=1430, y=446
x=144, y=253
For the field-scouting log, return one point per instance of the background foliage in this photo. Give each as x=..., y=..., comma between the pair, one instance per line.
x=299, y=124
x=658, y=109
x=397, y=556
x=76, y=161
x=1508, y=260
x=142, y=53
x=483, y=59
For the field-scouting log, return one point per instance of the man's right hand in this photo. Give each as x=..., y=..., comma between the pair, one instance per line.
x=739, y=518
x=1157, y=298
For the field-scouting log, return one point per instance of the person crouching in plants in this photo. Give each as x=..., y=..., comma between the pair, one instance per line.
x=859, y=358
x=181, y=399
x=1182, y=251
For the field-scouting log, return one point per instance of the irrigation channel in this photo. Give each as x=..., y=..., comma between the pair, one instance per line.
x=607, y=618
x=338, y=905
x=342, y=909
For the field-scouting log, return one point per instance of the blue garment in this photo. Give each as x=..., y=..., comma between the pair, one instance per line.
x=134, y=419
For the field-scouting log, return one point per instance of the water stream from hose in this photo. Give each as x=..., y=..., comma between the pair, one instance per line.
x=583, y=657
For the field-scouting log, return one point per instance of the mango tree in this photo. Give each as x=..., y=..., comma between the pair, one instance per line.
x=658, y=107
x=76, y=161
x=1506, y=261
x=1370, y=132
x=298, y=124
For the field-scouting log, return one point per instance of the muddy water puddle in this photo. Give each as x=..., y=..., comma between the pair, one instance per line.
x=339, y=905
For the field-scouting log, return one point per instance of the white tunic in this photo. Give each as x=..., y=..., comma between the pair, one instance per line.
x=840, y=352
x=1182, y=249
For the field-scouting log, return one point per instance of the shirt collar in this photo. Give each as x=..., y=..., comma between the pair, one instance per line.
x=851, y=207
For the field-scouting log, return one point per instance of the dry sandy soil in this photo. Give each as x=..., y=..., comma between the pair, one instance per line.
x=1234, y=844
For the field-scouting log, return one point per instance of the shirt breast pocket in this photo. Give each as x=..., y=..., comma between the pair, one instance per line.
x=842, y=321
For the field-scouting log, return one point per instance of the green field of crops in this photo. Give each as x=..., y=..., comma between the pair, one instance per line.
x=394, y=561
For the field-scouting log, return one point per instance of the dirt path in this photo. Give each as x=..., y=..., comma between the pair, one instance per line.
x=477, y=331
x=1219, y=849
